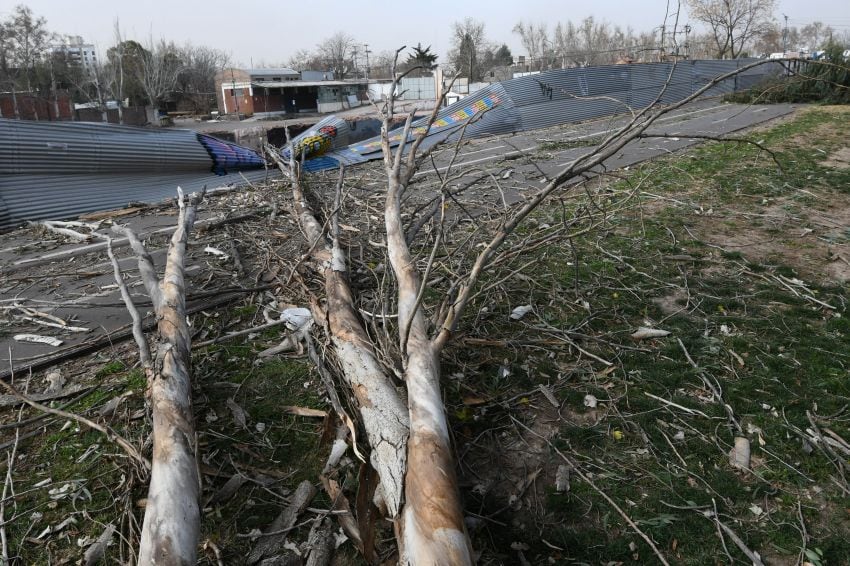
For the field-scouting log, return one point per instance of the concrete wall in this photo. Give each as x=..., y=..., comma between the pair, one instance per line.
x=379, y=91
x=326, y=107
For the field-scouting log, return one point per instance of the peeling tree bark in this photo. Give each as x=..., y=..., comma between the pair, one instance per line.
x=172, y=516
x=381, y=407
x=432, y=530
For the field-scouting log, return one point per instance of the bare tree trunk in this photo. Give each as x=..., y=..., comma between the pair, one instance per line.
x=381, y=407
x=432, y=528
x=172, y=516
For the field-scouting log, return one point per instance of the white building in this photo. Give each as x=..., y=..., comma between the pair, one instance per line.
x=76, y=51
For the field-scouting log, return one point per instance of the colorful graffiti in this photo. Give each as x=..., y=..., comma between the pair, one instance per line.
x=228, y=156
x=452, y=120
x=329, y=133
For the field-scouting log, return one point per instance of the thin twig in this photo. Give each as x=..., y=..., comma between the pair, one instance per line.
x=138, y=333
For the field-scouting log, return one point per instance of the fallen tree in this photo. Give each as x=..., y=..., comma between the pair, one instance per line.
x=417, y=475
x=430, y=527
x=172, y=515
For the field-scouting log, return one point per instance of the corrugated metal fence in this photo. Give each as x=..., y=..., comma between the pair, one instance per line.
x=564, y=96
x=57, y=170
x=52, y=170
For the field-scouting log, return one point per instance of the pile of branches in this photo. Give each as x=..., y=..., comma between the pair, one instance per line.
x=826, y=81
x=390, y=368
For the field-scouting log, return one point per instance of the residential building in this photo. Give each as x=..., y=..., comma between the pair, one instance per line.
x=75, y=51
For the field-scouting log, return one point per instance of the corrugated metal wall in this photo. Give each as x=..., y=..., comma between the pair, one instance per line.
x=57, y=170
x=51, y=170
x=569, y=95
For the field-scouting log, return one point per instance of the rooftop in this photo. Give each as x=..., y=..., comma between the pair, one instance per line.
x=265, y=72
x=290, y=84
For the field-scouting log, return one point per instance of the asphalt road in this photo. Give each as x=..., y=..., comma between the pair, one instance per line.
x=75, y=280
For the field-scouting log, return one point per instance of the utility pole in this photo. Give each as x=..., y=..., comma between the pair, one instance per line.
x=233, y=93
x=785, y=36
x=366, y=45
x=687, y=41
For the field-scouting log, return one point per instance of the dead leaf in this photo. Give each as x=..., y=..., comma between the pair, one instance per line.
x=55, y=381
x=520, y=311
x=96, y=551
x=238, y=413
x=112, y=405
x=549, y=395
x=562, y=479
x=739, y=456
x=228, y=490
x=738, y=358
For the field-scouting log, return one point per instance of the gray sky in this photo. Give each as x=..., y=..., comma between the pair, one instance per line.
x=270, y=31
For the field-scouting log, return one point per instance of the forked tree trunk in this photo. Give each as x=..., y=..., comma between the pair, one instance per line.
x=432, y=527
x=172, y=516
x=381, y=407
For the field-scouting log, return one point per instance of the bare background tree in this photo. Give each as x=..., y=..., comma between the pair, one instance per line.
x=196, y=81
x=469, y=45
x=157, y=73
x=335, y=53
x=535, y=40
x=733, y=24
x=24, y=41
x=305, y=60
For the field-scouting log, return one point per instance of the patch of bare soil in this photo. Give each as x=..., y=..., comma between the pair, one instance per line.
x=672, y=302
x=515, y=459
x=839, y=159
x=811, y=238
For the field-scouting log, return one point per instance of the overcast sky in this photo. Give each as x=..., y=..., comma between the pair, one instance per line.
x=270, y=31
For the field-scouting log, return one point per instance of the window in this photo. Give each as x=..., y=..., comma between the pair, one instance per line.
x=237, y=92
